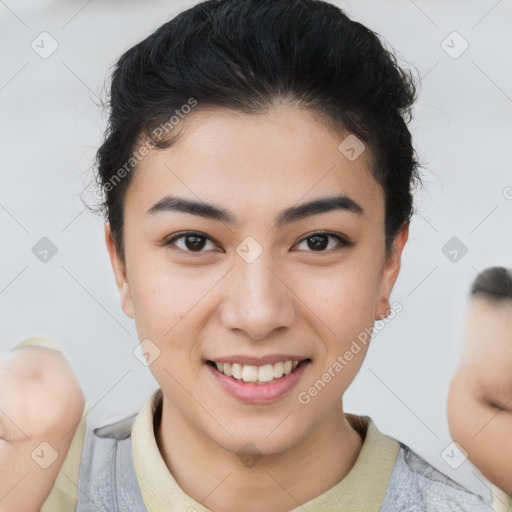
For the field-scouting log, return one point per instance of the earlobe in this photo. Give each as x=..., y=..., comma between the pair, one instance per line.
x=126, y=300
x=120, y=274
x=390, y=272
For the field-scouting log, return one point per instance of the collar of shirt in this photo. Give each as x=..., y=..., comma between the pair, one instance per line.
x=501, y=501
x=362, y=490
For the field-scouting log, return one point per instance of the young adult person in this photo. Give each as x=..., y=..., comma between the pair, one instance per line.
x=258, y=177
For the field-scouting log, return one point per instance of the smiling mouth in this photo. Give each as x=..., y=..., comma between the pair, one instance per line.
x=250, y=374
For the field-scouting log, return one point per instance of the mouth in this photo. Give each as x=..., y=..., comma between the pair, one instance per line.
x=258, y=384
x=259, y=375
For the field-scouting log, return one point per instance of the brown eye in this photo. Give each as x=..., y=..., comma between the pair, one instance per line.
x=318, y=242
x=194, y=243
x=190, y=242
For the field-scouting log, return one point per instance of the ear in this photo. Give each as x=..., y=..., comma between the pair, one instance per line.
x=390, y=272
x=119, y=269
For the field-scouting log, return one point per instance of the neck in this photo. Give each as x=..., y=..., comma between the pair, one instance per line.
x=220, y=479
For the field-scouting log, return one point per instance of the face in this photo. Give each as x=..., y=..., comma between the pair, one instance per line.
x=487, y=355
x=240, y=282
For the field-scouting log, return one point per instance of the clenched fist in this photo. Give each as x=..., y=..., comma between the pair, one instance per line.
x=41, y=405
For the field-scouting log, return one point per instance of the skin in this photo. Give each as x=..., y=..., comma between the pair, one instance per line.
x=40, y=401
x=293, y=299
x=480, y=397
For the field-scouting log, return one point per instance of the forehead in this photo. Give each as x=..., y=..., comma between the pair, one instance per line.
x=281, y=157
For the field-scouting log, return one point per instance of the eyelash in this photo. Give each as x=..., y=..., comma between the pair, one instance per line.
x=343, y=242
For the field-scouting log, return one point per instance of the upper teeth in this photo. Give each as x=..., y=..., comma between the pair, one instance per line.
x=249, y=373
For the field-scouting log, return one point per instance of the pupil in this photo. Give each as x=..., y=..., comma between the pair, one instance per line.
x=320, y=242
x=197, y=242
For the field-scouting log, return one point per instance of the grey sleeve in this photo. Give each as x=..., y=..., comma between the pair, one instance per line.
x=417, y=486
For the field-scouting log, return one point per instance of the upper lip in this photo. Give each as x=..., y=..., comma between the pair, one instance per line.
x=258, y=361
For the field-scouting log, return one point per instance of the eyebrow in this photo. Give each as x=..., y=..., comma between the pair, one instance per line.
x=322, y=205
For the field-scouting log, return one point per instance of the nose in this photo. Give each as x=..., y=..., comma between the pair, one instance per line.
x=257, y=302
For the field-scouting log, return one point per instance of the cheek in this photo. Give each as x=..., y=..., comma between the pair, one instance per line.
x=344, y=298
x=169, y=303
x=166, y=308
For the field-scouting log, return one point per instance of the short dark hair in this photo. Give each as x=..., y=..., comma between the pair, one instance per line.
x=249, y=56
x=493, y=283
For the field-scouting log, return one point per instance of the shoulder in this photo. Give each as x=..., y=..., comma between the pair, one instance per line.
x=108, y=479
x=88, y=465
x=416, y=485
x=102, y=444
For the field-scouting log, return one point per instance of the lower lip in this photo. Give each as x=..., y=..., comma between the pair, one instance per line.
x=259, y=393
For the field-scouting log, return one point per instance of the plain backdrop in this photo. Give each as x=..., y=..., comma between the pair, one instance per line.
x=51, y=125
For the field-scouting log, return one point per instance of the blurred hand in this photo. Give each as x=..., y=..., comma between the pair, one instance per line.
x=41, y=405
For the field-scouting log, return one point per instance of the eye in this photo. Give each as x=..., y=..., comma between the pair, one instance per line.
x=190, y=241
x=495, y=406
x=318, y=242
x=195, y=242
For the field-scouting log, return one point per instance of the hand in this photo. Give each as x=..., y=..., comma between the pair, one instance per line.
x=40, y=402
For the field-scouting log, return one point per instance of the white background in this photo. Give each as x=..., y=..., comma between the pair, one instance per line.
x=51, y=125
